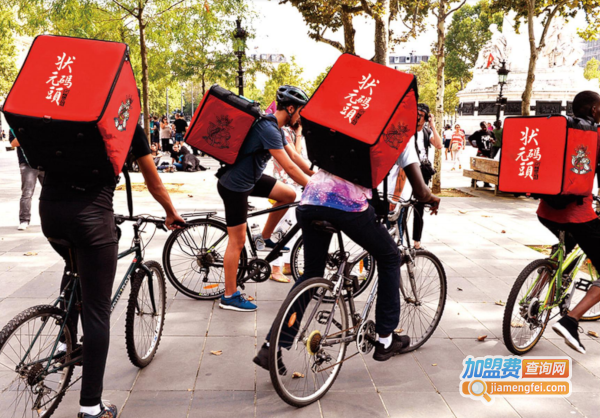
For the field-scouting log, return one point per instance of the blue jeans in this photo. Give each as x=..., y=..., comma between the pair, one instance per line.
x=178, y=166
x=362, y=228
x=29, y=176
x=178, y=137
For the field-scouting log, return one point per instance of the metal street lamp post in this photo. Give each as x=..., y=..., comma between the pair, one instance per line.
x=502, y=80
x=240, y=51
x=167, y=97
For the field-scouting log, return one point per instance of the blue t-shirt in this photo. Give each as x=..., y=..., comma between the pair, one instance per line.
x=254, y=155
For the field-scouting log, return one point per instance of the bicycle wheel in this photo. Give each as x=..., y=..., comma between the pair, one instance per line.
x=193, y=259
x=423, y=290
x=363, y=267
x=307, y=364
x=32, y=383
x=145, y=316
x=524, y=319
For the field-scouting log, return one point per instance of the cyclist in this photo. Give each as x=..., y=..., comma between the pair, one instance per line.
x=245, y=178
x=582, y=226
x=80, y=210
x=346, y=206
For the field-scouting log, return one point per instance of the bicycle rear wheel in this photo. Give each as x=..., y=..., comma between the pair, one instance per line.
x=524, y=317
x=145, y=316
x=193, y=259
x=32, y=382
x=363, y=267
x=308, y=361
x=423, y=292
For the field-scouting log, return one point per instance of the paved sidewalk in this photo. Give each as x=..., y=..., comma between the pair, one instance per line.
x=481, y=241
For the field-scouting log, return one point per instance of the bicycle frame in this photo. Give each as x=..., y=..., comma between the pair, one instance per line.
x=554, y=299
x=73, y=289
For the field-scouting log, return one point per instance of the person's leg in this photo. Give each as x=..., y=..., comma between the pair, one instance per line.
x=237, y=239
x=588, y=237
x=28, y=179
x=178, y=166
x=458, y=155
x=362, y=228
x=418, y=224
x=275, y=190
x=97, y=268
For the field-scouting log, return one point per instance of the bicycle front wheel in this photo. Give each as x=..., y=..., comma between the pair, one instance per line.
x=363, y=263
x=308, y=334
x=193, y=259
x=145, y=316
x=526, y=313
x=33, y=380
x=423, y=290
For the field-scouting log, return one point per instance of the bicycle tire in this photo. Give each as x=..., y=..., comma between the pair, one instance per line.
x=417, y=341
x=15, y=325
x=280, y=388
x=142, y=350
x=368, y=265
x=189, y=286
x=510, y=321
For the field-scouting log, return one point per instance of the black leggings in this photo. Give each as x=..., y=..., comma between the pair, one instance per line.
x=91, y=230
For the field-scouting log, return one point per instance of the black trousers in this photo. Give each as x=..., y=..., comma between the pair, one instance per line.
x=586, y=234
x=91, y=230
x=362, y=228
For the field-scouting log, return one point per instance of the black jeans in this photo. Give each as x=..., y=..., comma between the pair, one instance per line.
x=92, y=232
x=586, y=234
x=362, y=228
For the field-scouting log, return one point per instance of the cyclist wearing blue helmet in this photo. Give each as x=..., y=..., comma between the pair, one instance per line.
x=245, y=178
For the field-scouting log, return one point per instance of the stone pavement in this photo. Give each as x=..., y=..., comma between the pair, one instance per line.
x=481, y=241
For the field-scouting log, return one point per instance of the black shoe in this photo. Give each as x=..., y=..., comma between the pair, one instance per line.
x=399, y=343
x=567, y=328
x=262, y=360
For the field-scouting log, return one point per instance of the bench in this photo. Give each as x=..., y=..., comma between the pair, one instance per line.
x=483, y=169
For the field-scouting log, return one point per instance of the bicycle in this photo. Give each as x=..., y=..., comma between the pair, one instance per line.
x=318, y=321
x=29, y=342
x=542, y=286
x=193, y=256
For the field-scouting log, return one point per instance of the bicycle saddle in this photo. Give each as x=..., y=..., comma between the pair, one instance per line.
x=325, y=226
x=60, y=242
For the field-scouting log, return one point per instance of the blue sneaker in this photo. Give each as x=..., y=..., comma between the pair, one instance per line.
x=237, y=302
x=271, y=244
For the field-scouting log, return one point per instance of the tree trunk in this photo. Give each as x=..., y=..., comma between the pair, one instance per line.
x=526, y=97
x=145, y=83
x=382, y=32
x=349, y=33
x=203, y=83
x=439, y=97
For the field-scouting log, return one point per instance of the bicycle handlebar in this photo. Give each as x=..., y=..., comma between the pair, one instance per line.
x=140, y=219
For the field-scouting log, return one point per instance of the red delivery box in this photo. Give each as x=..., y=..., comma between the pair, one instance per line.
x=360, y=119
x=221, y=124
x=548, y=155
x=74, y=105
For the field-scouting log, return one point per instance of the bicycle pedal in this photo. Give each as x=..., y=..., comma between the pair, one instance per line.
x=583, y=284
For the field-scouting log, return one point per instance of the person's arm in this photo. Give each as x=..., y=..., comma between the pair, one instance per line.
x=157, y=190
x=293, y=170
x=15, y=143
x=435, y=139
x=298, y=160
x=420, y=189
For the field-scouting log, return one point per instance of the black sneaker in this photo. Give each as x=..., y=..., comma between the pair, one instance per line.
x=262, y=360
x=399, y=343
x=567, y=328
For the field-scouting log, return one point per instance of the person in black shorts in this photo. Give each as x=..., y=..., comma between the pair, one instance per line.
x=80, y=210
x=245, y=178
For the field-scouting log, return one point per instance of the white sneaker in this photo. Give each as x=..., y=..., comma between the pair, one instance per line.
x=23, y=226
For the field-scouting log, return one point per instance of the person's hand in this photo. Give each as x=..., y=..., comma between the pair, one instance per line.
x=431, y=119
x=434, y=205
x=174, y=217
